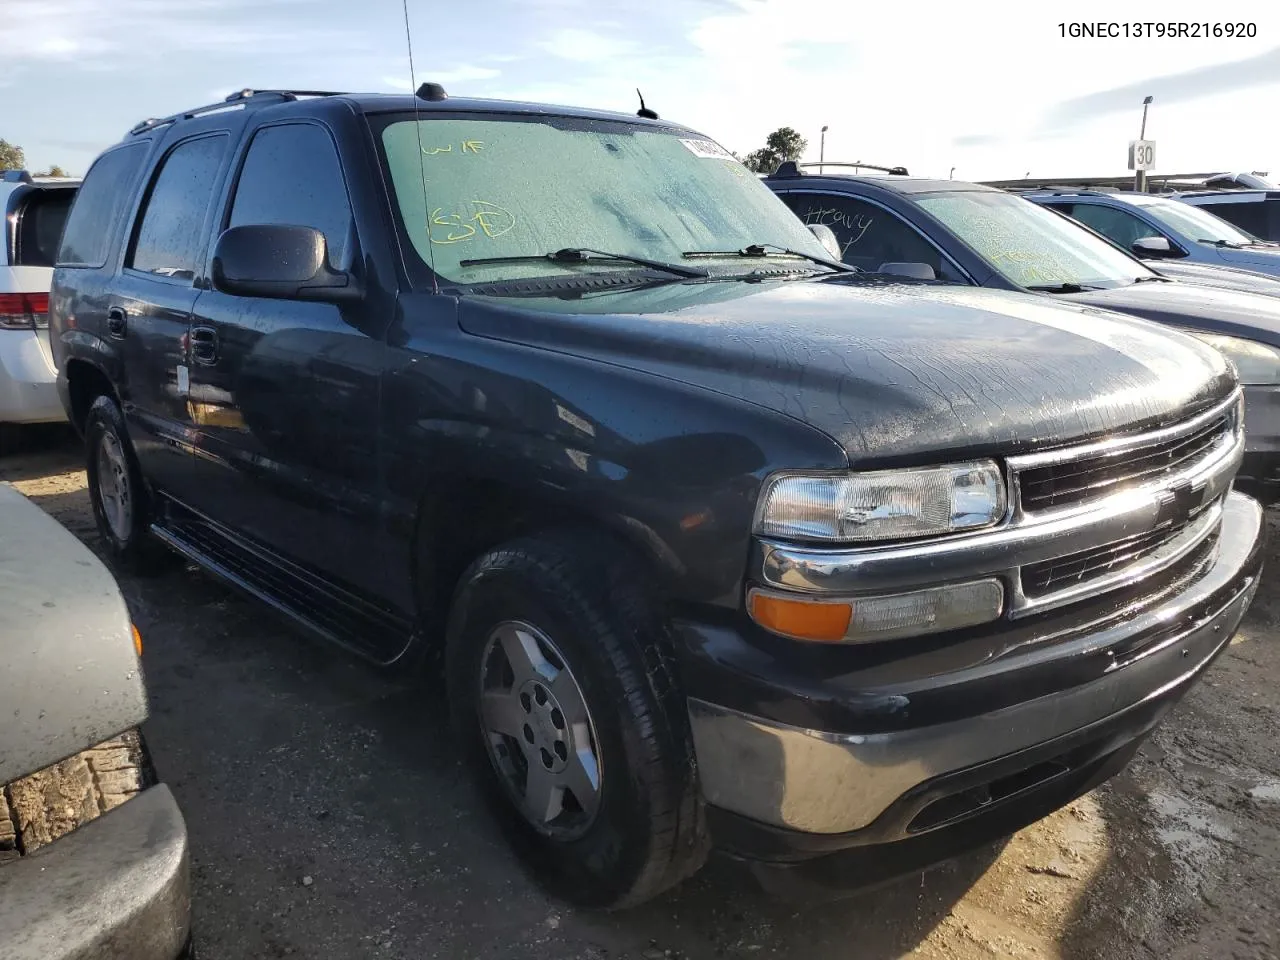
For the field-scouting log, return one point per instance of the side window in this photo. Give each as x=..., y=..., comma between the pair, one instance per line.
x=292, y=176
x=1118, y=226
x=170, y=232
x=868, y=235
x=99, y=204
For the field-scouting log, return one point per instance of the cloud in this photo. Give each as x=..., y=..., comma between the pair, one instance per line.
x=978, y=140
x=1262, y=70
x=585, y=46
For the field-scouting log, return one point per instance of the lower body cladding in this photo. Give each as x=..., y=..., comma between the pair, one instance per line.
x=28, y=391
x=842, y=809
x=1260, y=472
x=117, y=888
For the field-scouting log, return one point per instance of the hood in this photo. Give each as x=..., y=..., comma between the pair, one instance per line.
x=894, y=373
x=72, y=677
x=1194, y=305
x=1222, y=276
x=1264, y=259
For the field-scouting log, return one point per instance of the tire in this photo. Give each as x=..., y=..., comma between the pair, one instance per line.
x=113, y=471
x=643, y=829
x=44, y=806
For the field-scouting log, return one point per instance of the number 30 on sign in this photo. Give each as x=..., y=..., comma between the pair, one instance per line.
x=1142, y=154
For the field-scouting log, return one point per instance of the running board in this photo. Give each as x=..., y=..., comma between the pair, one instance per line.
x=331, y=613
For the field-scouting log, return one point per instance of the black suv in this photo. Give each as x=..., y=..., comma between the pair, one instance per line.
x=719, y=541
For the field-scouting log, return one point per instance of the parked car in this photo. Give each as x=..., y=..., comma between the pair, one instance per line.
x=93, y=851
x=1163, y=229
x=32, y=213
x=1256, y=212
x=980, y=236
x=721, y=543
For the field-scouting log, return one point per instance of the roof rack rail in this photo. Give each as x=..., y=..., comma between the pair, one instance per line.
x=240, y=97
x=792, y=168
x=893, y=171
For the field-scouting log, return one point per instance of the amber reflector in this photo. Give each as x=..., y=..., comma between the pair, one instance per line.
x=803, y=619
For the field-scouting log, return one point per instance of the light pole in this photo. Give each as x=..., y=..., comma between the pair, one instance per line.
x=952, y=174
x=822, y=147
x=1140, y=176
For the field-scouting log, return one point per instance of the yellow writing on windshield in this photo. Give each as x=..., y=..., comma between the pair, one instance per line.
x=466, y=146
x=478, y=217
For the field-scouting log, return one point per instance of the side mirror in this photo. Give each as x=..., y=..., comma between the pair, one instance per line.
x=281, y=262
x=916, y=271
x=1153, y=247
x=827, y=237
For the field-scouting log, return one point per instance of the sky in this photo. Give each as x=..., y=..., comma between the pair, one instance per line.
x=992, y=90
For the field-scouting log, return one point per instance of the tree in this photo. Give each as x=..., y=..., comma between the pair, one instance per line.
x=54, y=171
x=783, y=144
x=11, y=156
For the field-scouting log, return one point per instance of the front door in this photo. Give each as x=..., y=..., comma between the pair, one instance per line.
x=284, y=393
x=149, y=308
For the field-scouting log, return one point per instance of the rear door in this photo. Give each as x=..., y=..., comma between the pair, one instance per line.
x=149, y=309
x=285, y=392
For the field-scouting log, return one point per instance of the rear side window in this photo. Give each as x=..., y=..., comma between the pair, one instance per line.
x=170, y=231
x=100, y=203
x=292, y=176
x=39, y=227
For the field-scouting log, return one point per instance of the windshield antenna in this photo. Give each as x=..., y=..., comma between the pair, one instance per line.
x=422, y=164
x=644, y=111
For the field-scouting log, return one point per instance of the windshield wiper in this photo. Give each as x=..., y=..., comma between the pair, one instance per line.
x=1222, y=243
x=586, y=255
x=1060, y=288
x=773, y=250
x=1152, y=279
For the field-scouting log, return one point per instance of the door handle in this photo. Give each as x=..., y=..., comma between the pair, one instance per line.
x=204, y=345
x=117, y=322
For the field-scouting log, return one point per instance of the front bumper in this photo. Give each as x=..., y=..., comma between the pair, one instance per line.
x=115, y=889
x=1260, y=471
x=28, y=393
x=910, y=748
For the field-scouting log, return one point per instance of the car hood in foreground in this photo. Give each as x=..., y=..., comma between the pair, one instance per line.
x=71, y=676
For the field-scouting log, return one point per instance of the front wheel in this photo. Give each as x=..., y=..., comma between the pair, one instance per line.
x=562, y=689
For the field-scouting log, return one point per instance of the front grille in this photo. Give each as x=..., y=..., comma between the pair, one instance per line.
x=1072, y=482
x=1061, y=573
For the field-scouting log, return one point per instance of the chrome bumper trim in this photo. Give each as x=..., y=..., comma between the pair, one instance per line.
x=821, y=782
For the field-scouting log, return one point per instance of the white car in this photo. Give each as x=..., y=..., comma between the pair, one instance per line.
x=35, y=209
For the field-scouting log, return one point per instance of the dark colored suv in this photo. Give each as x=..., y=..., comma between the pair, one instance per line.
x=720, y=541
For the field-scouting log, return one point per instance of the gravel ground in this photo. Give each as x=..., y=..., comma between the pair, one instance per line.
x=330, y=819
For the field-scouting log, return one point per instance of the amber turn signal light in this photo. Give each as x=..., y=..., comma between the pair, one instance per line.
x=802, y=619
x=137, y=638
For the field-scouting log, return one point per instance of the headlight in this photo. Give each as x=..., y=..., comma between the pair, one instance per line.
x=881, y=504
x=1256, y=362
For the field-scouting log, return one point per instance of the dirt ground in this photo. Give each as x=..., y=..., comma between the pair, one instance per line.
x=330, y=818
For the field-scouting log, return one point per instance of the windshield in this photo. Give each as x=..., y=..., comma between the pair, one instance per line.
x=517, y=186
x=1194, y=223
x=1029, y=245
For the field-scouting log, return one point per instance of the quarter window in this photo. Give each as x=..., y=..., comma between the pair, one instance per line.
x=292, y=176
x=99, y=204
x=171, y=230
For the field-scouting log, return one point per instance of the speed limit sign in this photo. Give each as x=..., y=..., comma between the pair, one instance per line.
x=1142, y=154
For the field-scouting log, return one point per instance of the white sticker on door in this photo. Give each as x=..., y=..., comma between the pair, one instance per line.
x=184, y=380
